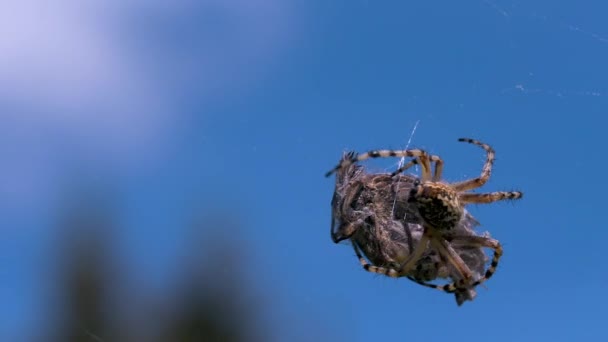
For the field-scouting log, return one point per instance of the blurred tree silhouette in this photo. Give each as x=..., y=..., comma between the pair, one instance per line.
x=212, y=302
x=84, y=272
x=215, y=302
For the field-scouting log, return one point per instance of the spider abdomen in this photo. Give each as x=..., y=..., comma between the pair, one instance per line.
x=438, y=205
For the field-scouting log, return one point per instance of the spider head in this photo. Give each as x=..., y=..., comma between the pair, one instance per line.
x=437, y=204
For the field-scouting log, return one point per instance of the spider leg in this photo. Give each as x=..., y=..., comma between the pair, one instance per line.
x=447, y=251
x=490, y=197
x=390, y=272
x=486, y=171
x=438, y=167
x=480, y=241
x=449, y=288
x=405, y=167
x=407, y=266
x=352, y=158
x=430, y=158
x=374, y=269
x=426, y=166
x=461, y=294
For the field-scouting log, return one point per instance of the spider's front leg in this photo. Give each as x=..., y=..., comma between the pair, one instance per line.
x=424, y=160
x=353, y=158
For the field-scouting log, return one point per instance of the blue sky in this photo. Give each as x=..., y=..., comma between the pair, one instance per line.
x=244, y=105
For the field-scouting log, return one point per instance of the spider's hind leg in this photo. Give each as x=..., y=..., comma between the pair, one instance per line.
x=471, y=242
x=413, y=258
x=485, y=172
x=480, y=241
x=390, y=272
x=449, y=288
x=449, y=255
x=461, y=294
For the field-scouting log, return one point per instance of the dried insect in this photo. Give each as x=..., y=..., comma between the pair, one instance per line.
x=440, y=208
x=373, y=211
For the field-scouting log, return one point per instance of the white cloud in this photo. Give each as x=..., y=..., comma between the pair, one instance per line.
x=63, y=72
x=101, y=78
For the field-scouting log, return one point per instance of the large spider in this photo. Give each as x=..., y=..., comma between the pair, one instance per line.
x=373, y=212
x=440, y=207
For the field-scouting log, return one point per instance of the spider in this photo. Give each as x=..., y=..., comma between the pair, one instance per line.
x=440, y=208
x=372, y=210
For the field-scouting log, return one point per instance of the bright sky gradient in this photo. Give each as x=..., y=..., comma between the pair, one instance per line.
x=245, y=104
